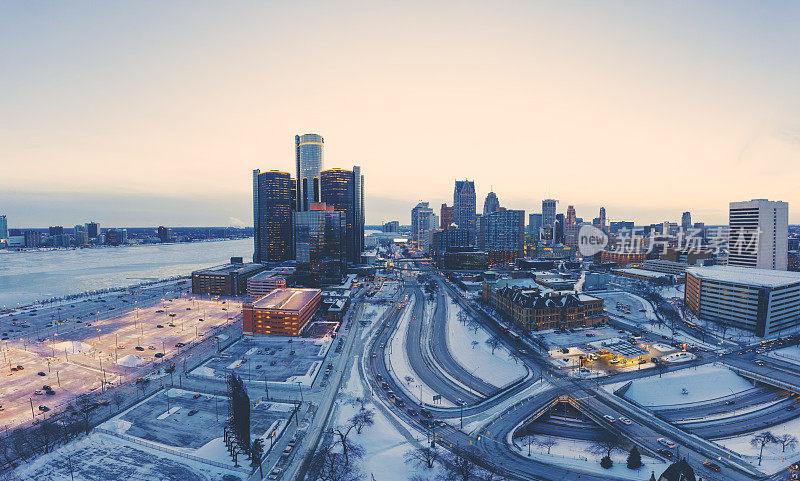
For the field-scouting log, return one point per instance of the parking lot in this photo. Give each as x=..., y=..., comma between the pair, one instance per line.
x=273, y=359
x=185, y=419
x=80, y=357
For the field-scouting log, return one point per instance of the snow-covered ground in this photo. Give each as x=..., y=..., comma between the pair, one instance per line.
x=773, y=460
x=678, y=357
x=573, y=453
x=787, y=354
x=400, y=366
x=469, y=349
x=685, y=386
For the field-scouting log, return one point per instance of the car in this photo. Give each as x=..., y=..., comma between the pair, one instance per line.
x=275, y=473
x=152, y=348
x=609, y=418
x=43, y=409
x=374, y=355
x=193, y=412
x=411, y=412
x=188, y=308
x=179, y=344
x=425, y=412
x=160, y=326
x=379, y=377
x=665, y=452
x=272, y=363
x=625, y=420
x=291, y=353
x=46, y=388
x=666, y=442
x=41, y=373
x=159, y=355
x=258, y=366
x=139, y=348
x=399, y=402
x=50, y=392
x=712, y=466
x=385, y=386
x=197, y=395
x=171, y=314
x=37, y=392
x=614, y=361
x=20, y=368
x=730, y=402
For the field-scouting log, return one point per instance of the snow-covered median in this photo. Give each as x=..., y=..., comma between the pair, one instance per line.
x=469, y=348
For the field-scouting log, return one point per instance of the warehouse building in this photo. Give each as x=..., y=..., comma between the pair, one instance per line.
x=226, y=280
x=282, y=312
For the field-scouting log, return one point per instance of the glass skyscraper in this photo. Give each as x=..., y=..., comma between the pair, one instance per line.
x=310, y=162
x=319, y=241
x=341, y=189
x=272, y=216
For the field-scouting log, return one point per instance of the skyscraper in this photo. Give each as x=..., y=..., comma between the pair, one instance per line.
x=549, y=213
x=273, y=233
x=758, y=234
x=686, y=221
x=341, y=190
x=491, y=204
x=571, y=217
x=420, y=220
x=92, y=229
x=534, y=223
x=603, y=219
x=505, y=235
x=464, y=205
x=445, y=216
x=309, y=158
x=319, y=241
x=3, y=227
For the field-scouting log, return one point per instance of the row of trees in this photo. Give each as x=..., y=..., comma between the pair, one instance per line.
x=765, y=438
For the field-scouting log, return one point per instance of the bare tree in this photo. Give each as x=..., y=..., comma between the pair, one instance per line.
x=786, y=441
x=117, y=398
x=546, y=443
x=760, y=440
x=425, y=456
x=459, y=464
x=515, y=356
x=463, y=317
x=363, y=418
x=528, y=440
x=473, y=325
x=328, y=464
x=605, y=446
x=474, y=343
x=85, y=405
x=349, y=448
x=493, y=343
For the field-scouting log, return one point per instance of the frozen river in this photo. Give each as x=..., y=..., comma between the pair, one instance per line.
x=34, y=275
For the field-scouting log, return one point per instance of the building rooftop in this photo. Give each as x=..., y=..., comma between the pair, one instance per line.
x=228, y=268
x=287, y=299
x=745, y=275
x=641, y=272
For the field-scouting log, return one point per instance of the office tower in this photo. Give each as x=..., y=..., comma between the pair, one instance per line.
x=391, y=227
x=92, y=229
x=558, y=229
x=3, y=227
x=491, y=204
x=81, y=236
x=445, y=216
x=54, y=230
x=164, y=234
x=758, y=234
x=700, y=230
x=340, y=190
x=273, y=234
x=534, y=223
x=308, y=150
x=358, y=179
x=549, y=212
x=505, y=235
x=319, y=243
x=571, y=217
x=686, y=221
x=32, y=238
x=602, y=218
x=620, y=227
x=116, y=237
x=464, y=206
x=420, y=221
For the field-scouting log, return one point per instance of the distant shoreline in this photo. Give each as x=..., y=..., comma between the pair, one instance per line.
x=92, y=247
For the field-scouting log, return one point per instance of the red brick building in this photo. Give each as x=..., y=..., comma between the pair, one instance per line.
x=282, y=312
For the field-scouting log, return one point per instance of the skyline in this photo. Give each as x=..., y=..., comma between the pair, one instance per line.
x=683, y=110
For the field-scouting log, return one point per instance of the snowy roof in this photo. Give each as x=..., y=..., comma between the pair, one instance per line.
x=641, y=272
x=620, y=348
x=745, y=275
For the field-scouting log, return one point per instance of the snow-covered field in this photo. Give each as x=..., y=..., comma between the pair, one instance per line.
x=573, y=453
x=678, y=357
x=788, y=354
x=773, y=460
x=685, y=386
x=469, y=349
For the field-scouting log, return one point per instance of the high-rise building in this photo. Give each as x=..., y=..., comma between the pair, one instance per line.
x=534, y=223
x=420, y=220
x=391, y=227
x=340, y=190
x=81, y=236
x=758, y=234
x=445, y=216
x=621, y=227
x=92, y=229
x=464, y=206
x=549, y=212
x=602, y=218
x=273, y=233
x=55, y=230
x=571, y=218
x=686, y=221
x=3, y=227
x=505, y=235
x=491, y=204
x=558, y=229
x=164, y=234
x=319, y=244
x=308, y=149
x=116, y=237
x=358, y=227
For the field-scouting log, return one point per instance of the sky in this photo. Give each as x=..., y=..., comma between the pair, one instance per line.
x=149, y=113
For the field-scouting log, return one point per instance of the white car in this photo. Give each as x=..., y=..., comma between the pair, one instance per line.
x=609, y=418
x=625, y=420
x=614, y=361
x=666, y=442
